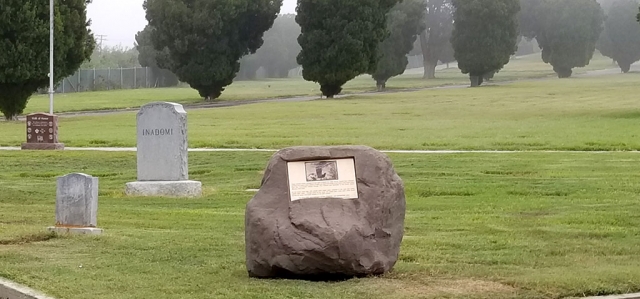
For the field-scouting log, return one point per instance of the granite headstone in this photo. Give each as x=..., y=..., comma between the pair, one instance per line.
x=77, y=204
x=42, y=132
x=163, y=168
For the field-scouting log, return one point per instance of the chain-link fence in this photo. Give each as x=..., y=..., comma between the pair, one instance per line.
x=110, y=79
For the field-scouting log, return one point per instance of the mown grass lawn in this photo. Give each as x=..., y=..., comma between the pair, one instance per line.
x=599, y=113
x=520, y=225
x=527, y=67
x=525, y=225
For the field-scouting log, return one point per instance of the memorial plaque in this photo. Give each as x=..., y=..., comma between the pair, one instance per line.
x=325, y=213
x=322, y=179
x=42, y=132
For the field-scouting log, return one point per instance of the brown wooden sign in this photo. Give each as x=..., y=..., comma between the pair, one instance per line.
x=42, y=128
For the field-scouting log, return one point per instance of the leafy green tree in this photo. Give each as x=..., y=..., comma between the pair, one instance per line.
x=620, y=39
x=485, y=35
x=404, y=22
x=435, y=40
x=567, y=32
x=206, y=38
x=339, y=39
x=24, y=48
x=148, y=57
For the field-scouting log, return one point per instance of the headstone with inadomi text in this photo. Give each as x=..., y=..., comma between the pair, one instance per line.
x=162, y=153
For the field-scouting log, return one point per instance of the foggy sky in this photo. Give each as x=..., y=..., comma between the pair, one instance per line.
x=120, y=20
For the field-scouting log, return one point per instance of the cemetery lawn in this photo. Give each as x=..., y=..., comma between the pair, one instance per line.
x=520, y=225
x=527, y=67
x=590, y=114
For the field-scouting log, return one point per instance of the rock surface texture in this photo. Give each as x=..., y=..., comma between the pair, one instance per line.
x=326, y=238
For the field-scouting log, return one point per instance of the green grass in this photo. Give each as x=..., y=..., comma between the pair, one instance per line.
x=591, y=113
x=526, y=225
x=500, y=226
x=527, y=67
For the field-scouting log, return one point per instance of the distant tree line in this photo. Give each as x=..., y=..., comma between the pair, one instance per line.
x=620, y=39
x=112, y=57
x=210, y=43
x=278, y=55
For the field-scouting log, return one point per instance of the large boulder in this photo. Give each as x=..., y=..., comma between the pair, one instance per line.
x=326, y=238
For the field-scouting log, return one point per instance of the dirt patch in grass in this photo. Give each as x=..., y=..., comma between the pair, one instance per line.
x=19, y=240
x=416, y=287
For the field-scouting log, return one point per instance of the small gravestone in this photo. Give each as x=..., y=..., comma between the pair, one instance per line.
x=325, y=212
x=77, y=205
x=163, y=153
x=42, y=132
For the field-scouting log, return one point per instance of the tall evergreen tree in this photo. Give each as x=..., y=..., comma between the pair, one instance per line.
x=404, y=22
x=620, y=39
x=485, y=35
x=148, y=57
x=435, y=40
x=207, y=38
x=280, y=49
x=567, y=32
x=24, y=48
x=339, y=39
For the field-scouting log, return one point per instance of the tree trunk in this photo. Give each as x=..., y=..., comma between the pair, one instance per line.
x=475, y=80
x=429, y=57
x=625, y=67
x=430, y=68
x=424, y=45
x=381, y=85
x=330, y=90
x=563, y=72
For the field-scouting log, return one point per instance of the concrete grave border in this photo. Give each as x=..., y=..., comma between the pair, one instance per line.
x=624, y=296
x=12, y=290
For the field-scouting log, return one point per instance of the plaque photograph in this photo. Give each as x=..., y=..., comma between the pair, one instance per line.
x=322, y=179
x=321, y=171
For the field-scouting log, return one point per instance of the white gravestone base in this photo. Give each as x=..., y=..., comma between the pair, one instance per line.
x=75, y=230
x=165, y=188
